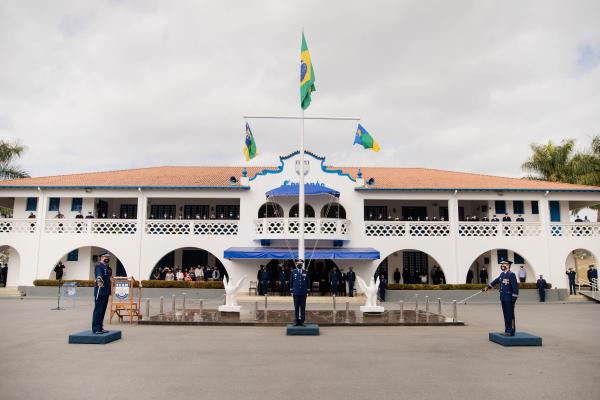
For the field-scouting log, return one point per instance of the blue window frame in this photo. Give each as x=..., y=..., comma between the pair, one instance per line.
x=502, y=255
x=518, y=259
x=76, y=203
x=54, y=204
x=518, y=207
x=500, y=207
x=554, y=211
x=535, y=208
x=73, y=255
x=31, y=204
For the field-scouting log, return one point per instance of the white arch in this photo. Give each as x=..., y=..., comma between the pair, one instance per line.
x=14, y=265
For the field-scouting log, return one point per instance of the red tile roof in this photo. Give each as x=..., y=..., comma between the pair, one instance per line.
x=194, y=177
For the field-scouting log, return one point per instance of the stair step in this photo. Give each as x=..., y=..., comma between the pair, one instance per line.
x=10, y=292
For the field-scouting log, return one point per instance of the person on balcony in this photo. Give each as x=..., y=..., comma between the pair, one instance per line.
x=571, y=274
x=495, y=218
x=506, y=218
x=31, y=215
x=351, y=277
x=89, y=215
x=520, y=218
x=59, y=215
x=485, y=218
x=79, y=215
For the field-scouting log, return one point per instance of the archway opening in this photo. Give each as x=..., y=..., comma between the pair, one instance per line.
x=583, y=263
x=319, y=272
x=411, y=266
x=270, y=210
x=10, y=265
x=80, y=263
x=309, y=212
x=486, y=266
x=333, y=210
x=190, y=264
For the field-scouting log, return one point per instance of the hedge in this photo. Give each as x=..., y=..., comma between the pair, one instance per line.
x=183, y=284
x=460, y=286
x=54, y=282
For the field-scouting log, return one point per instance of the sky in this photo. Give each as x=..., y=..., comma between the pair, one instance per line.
x=460, y=85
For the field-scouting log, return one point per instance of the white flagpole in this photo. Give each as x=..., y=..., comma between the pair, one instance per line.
x=301, y=194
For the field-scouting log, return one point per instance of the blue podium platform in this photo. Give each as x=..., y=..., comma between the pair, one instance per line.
x=520, y=339
x=88, y=337
x=306, y=330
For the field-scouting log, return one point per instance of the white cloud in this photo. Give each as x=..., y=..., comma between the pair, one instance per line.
x=451, y=85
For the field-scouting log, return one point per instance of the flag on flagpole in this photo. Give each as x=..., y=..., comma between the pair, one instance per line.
x=250, y=146
x=307, y=76
x=365, y=139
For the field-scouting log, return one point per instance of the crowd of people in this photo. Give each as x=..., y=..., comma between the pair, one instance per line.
x=197, y=273
x=408, y=276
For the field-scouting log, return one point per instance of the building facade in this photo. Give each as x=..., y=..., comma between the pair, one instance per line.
x=407, y=218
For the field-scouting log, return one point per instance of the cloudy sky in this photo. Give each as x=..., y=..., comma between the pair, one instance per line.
x=460, y=85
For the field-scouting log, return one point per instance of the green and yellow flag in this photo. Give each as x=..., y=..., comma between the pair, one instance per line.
x=363, y=138
x=250, y=150
x=307, y=76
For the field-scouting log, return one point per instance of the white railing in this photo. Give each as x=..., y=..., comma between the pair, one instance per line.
x=314, y=228
x=578, y=229
x=191, y=227
x=12, y=225
x=94, y=226
x=487, y=229
x=407, y=228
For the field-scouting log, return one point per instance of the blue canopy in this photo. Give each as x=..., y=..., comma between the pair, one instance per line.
x=310, y=189
x=267, y=253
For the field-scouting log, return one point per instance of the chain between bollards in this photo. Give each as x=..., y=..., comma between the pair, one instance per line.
x=162, y=301
x=454, y=311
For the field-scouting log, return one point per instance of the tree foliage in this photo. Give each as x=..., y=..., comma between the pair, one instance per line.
x=9, y=152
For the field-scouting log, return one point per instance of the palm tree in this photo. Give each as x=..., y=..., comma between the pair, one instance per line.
x=8, y=153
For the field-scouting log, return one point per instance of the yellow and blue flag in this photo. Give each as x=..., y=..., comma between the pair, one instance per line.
x=363, y=138
x=250, y=150
x=307, y=75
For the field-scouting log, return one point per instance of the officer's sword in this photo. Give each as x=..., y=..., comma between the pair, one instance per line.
x=464, y=301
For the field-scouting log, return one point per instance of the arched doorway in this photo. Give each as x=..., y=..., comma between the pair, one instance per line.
x=486, y=266
x=270, y=210
x=80, y=263
x=309, y=212
x=190, y=261
x=333, y=210
x=582, y=261
x=414, y=266
x=318, y=271
x=10, y=266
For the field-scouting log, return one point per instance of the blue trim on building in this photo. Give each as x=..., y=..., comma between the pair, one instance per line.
x=366, y=189
x=324, y=168
x=127, y=187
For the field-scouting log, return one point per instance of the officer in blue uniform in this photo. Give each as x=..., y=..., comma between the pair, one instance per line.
x=541, y=287
x=103, y=275
x=351, y=277
x=282, y=282
x=263, y=279
x=334, y=281
x=509, y=292
x=382, y=286
x=299, y=284
x=571, y=274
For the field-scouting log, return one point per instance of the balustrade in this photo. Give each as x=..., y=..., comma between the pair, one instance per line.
x=490, y=229
x=407, y=228
x=576, y=229
x=314, y=228
x=12, y=225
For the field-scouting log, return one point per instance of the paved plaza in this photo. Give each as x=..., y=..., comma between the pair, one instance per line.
x=192, y=362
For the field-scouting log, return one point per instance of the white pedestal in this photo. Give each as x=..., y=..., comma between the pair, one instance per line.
x=371, y=309
x=235, y=309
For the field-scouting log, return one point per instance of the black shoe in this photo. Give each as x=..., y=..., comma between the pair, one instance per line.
x=297, y=324
x=103, y=331
x=98, y=332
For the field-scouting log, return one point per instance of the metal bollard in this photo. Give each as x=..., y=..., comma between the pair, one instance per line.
x=334, y=304
x=347, y=312
x=201, y=307
x=454, y=311
x=439, y=306
x=256, y=310
x=266, y=302
x=162, y=301
x=148, y=308
x=427, y=308
x=416, y=303
x=173, y=304
x=401, y=310
x=266, y=308
x=183, y=303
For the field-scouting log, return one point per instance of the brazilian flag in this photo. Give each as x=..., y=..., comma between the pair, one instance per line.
x=250, y=145
x=365, y=139
x=307, y=76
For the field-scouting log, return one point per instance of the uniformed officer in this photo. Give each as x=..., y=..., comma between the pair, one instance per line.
x=299, y=283
x=351, y=277
x=509, y=292
x=382, y=286
x=103, y=275
x=59, y=270
x=263, y=279
x=334, y=281
x=282, y=282
x=541, y=287
x=397, y=276
x=571, y=274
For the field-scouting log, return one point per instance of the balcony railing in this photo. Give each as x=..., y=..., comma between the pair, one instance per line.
x=12, y=225
x=491, y=229
x=314, y=228
x=407, y=228
x=191, y=227
x=577, y=229
x=95, y=226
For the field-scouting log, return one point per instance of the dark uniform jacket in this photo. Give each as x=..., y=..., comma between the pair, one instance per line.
x=509, y=288
x=351, y=276
x=103, y=272
x=541, y=284
x=299, y=282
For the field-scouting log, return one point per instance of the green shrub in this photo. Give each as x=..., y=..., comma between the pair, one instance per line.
x=54, y=282
x=183, y=284
x=460, y=286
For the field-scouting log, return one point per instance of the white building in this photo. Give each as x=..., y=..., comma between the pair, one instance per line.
x=184, y=216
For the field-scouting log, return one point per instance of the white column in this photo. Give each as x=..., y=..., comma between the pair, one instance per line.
x=141, y=217
x=453, y=220
x=544, y=209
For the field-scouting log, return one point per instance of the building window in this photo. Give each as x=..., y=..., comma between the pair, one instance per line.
x=518, y=207
x=270, y=210
x=309, y=212
x=162, y=211
x=374, y=213
x=128, y=211
x=76, y=203
x=31, y=204
x=535, y=208
x=333, y=210
x=500, y=207
x=228, y=212
x=73, y=255
x=502, y=255
x=54, y=204
x=518, y=259
x=191, y=211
